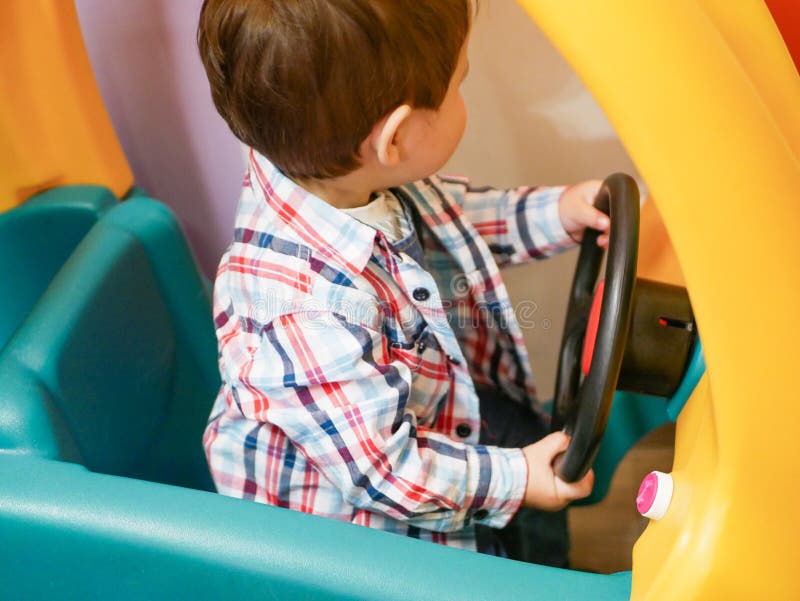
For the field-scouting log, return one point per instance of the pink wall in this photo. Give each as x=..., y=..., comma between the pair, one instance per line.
x=145, y=60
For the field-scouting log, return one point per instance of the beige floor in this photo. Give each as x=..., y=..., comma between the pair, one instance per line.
x=603, y=534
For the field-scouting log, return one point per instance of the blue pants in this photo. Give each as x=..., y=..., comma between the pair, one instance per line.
x=532, y=535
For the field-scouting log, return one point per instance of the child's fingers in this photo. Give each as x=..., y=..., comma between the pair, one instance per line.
x=590, y=189
x=587, y=482
x=598, y=220
x=575, y=490
x=553, y=444
x=586, y=215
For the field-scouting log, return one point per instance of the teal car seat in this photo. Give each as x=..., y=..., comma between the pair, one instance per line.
x=115, y=366
x=36, y=238
x=105, y=389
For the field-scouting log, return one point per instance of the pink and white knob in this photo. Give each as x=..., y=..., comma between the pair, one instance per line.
x=655, y=494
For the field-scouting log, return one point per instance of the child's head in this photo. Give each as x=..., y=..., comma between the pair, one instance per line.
x=305, y=82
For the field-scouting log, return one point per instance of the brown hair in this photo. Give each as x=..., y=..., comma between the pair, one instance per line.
x=305, y=81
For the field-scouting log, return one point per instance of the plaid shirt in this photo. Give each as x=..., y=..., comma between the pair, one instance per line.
x=349, y=369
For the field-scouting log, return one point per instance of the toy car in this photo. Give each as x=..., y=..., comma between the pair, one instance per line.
x=107, y=377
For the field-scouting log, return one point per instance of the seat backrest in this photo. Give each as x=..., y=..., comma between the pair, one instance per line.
x=115, y=367
x=36, y=239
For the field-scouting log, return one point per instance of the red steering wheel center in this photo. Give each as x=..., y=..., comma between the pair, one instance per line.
x=591, y=328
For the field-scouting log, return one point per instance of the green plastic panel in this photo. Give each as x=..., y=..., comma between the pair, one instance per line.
x=115, y=367
x=71, y=534
x=36, y=238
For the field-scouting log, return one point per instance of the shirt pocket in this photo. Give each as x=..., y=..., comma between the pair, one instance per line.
x=430, y=374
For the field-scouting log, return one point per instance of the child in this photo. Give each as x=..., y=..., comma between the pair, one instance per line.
x=373, y=370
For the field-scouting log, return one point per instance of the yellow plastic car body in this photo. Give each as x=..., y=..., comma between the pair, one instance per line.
x=706, y=99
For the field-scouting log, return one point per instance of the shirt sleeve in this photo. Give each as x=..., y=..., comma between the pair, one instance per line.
x=331, y=387
x=518, y=224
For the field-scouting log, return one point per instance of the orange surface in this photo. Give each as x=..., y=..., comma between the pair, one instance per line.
x=54, y=129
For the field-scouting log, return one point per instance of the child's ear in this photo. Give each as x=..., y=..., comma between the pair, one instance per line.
x=384, y=137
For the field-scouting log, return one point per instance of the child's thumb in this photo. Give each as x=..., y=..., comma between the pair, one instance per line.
x=555, y=443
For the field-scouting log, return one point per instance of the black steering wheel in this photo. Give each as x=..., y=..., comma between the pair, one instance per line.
x=581, y=408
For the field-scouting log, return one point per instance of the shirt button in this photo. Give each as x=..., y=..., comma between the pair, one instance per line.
x=463, y=430
x=421, y=347
x=421, y=294
x=479, y=515
x=453, y=359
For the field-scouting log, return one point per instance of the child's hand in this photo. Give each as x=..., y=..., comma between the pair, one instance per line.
x=577, y=213
x=545, y=490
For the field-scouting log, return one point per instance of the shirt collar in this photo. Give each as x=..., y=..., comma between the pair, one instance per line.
x=446, y=222
x=324, y=228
